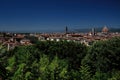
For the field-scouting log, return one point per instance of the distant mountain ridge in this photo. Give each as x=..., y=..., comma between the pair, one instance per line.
x=79, y=30
x=96, y=29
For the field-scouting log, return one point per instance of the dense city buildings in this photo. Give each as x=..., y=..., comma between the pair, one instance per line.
x=16, y=39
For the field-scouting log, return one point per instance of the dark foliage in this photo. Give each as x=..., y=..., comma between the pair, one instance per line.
x=62, y=61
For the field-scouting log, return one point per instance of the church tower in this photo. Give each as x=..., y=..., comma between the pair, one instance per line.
x=66, y=29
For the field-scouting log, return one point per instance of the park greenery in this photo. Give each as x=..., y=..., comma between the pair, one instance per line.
x=49, y=60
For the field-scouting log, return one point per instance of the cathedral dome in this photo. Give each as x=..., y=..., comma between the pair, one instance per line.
x=105, y=29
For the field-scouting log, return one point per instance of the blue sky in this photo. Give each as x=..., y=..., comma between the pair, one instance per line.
x=54, y=15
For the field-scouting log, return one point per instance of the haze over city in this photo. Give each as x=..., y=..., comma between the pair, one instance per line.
x=54, y=15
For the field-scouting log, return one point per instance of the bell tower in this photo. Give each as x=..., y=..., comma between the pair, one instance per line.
x=66, y=29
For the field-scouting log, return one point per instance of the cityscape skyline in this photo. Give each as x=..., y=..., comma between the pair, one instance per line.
x=54, y=15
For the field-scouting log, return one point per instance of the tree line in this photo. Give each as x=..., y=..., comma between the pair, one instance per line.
x=49, y=60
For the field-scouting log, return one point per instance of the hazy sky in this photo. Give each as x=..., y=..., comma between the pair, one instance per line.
x=54, y=15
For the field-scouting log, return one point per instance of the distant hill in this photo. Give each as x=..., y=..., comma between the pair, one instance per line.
x=114, y=29
x=96, y=29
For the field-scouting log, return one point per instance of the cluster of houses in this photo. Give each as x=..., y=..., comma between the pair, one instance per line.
x=11, y=40
x=86, y=38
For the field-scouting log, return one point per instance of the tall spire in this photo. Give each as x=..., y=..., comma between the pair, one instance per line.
x=93, y=31
x=66, y=29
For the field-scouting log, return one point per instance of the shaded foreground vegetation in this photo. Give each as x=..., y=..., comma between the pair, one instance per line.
x=62, y=61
